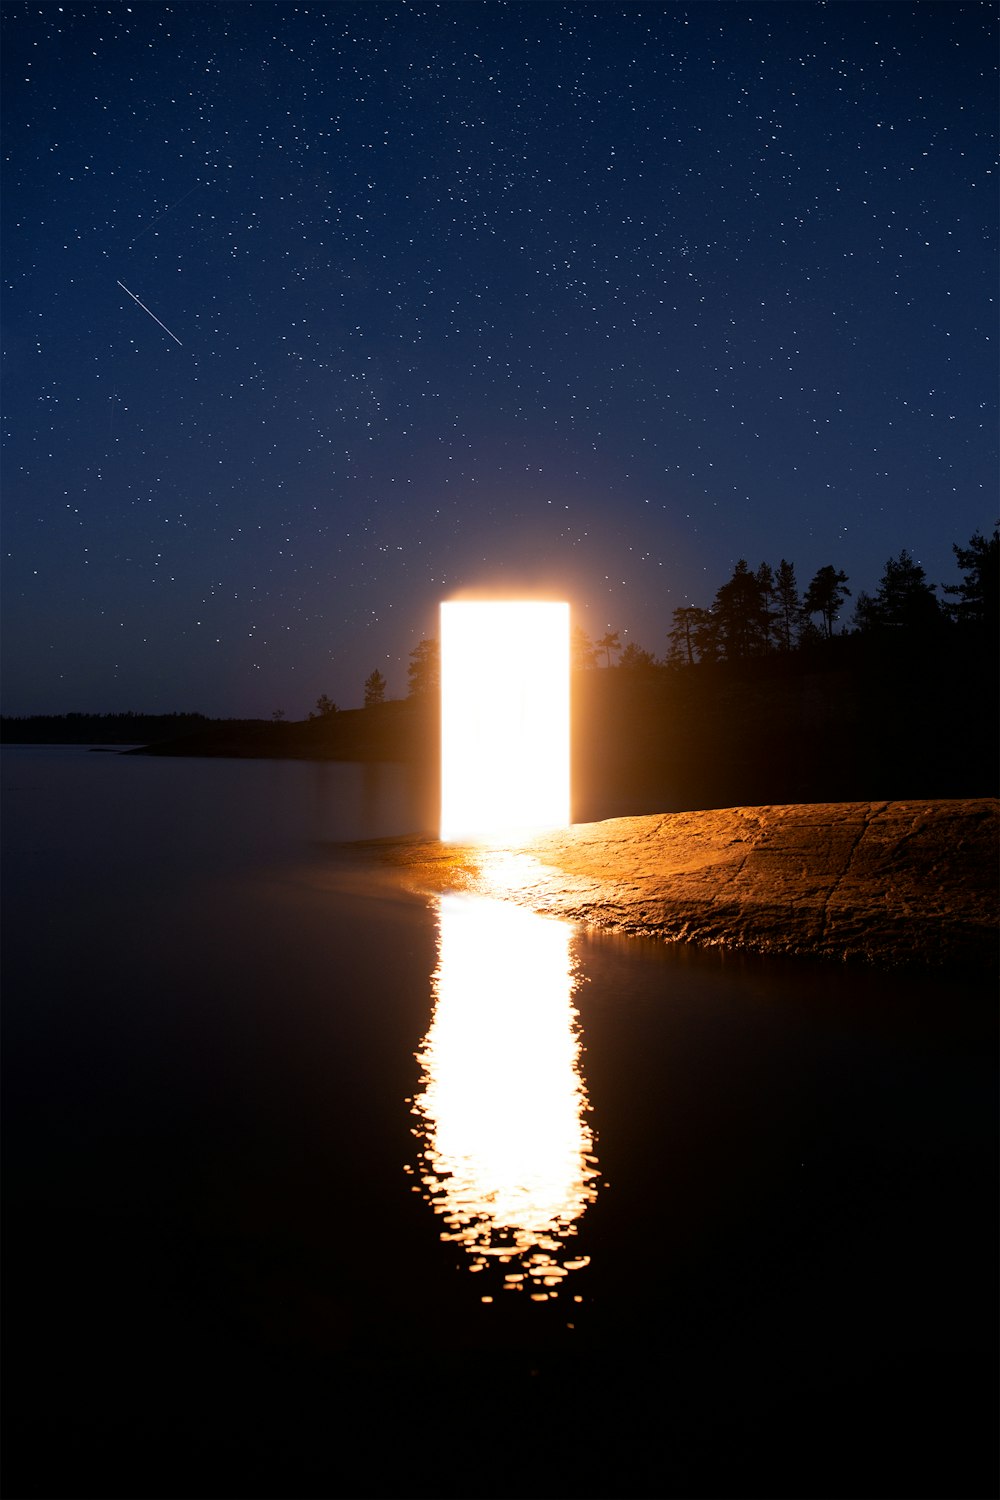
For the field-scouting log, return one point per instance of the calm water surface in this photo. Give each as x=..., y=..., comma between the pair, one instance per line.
x=317, y=1188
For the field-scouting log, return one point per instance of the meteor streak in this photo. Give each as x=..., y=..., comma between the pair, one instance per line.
x=151, y=314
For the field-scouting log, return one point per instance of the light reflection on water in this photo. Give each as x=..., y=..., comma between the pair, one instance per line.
x=506, y=1152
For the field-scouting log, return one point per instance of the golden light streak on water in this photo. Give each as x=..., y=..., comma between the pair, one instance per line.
x=507, y=1154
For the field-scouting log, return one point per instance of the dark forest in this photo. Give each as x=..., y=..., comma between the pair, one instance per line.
x=761, y=696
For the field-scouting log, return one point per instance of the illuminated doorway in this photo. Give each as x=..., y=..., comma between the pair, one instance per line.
x=504, y=717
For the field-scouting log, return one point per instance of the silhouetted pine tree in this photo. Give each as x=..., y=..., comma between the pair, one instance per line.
x=609, y=642
x=788, y=607
x=977, y=597
x=582, y=651
x=424, y=670
x=825, y=595
x=741, y=615
x=904, y=599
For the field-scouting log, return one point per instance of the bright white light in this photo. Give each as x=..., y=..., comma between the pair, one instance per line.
x=506, y=1150
x=504, y=717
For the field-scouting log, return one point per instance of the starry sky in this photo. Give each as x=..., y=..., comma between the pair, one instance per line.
x=314, y=315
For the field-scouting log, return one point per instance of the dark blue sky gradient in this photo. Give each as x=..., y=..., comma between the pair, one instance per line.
x=589, y=298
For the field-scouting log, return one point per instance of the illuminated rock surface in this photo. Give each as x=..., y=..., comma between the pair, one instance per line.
x=884, y=883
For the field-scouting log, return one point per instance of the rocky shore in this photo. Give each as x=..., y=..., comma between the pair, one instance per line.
x=896, y=884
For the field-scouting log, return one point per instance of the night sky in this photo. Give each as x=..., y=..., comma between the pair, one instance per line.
x=593, y=299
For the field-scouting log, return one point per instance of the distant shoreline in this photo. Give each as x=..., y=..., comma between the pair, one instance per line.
x=399, y=730
x=839, y=726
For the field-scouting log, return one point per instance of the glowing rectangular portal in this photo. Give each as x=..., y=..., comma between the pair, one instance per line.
x=504, y=718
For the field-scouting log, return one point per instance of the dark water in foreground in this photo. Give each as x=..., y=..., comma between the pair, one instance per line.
x=314, y=1189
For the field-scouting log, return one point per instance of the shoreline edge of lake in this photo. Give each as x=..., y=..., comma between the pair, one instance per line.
x=892, y=884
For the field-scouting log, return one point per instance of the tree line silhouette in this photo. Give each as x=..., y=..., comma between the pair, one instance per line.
x=762, y=612
x=769, y=694
x=423, y=680
x=99, y=729
x=766, y=694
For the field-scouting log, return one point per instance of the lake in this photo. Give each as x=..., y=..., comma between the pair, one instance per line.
x=315, y=1187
